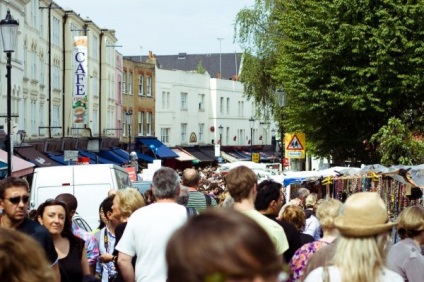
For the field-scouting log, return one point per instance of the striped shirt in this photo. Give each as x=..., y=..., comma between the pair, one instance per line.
x=197, y=200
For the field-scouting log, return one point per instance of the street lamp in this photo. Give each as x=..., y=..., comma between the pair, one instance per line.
x=220, y=128
x=129, y=115
x=9, y=31
x=273, y=138
x=281, y=97
x=252, y=122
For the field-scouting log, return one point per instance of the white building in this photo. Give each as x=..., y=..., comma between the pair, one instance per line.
x=191, y=108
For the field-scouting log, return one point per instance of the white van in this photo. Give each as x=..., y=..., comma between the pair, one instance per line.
x=88, y=183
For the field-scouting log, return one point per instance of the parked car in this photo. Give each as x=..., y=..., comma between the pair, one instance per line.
x=81, y=223
x=142, y=186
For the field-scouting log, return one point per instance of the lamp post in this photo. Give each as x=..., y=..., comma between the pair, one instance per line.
x=220, y=40
x=281, y=98
x=220, y=128
x=9, y=30
x=252, y=122
x=128, y=115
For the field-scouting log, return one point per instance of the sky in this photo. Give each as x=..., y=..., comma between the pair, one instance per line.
x=165, y=27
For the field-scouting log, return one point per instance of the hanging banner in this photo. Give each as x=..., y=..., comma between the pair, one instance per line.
x=79, y=98
x=295, y=145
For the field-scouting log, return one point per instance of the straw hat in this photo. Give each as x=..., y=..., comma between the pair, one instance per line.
x=364, y=215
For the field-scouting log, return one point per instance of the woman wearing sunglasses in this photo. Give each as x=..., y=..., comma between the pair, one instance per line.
x=73, y=264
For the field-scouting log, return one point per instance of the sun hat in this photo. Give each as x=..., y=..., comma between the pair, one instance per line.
x=364, y=214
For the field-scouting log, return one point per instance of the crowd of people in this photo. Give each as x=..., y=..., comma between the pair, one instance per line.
x=199, y=225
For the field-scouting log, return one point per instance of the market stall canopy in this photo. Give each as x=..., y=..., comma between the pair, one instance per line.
x=20, y=167
x=416, y=173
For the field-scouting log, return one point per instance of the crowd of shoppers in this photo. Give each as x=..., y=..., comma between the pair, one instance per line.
x=199, y=225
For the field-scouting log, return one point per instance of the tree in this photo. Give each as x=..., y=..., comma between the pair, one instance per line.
x=397, y=145
x=346, y=66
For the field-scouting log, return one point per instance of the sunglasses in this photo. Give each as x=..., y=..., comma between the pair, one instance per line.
x=18, y=199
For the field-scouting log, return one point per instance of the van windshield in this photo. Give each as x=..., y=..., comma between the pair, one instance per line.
x=123, y=179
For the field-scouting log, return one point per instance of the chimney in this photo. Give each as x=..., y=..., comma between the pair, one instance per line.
x=151, y=58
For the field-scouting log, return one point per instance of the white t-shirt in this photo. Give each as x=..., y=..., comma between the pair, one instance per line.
x=146, y=235
x=312, y=227
x=335, y=275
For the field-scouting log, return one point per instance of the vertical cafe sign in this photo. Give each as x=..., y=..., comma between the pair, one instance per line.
x=79, y=98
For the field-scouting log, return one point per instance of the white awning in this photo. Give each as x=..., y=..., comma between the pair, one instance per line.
x=183, y=156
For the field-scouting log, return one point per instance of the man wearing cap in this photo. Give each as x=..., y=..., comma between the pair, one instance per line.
x=242, y=185
x=14, y=203
x=364, y=232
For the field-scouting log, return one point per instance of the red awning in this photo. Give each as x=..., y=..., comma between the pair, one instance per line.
x=20, y=167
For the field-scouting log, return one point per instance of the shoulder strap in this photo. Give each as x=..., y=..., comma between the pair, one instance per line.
x=191, y=212
x=208, y=200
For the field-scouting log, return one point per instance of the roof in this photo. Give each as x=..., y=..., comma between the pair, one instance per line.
x=190, y=62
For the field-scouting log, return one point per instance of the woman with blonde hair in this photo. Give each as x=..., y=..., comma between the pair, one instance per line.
x=22, y=259
x=405, y=257
x=126, y=202
x=327, y=211
x=361, y=246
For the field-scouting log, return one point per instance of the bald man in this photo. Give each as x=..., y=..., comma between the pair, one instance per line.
x=197, y=200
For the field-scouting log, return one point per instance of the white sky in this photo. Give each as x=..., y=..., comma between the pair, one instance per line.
x=166, y=27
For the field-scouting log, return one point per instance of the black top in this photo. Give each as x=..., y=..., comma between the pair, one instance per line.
x=42, y=235
x=119, y=230
x=293, y=237
x=70, y=266
x=306, y=238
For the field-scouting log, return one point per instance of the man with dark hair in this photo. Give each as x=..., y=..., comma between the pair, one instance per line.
x=91, y=243
x=149, y=229
x=269, y=201
x=242, y=185
x=197, y=200
x=14, y=203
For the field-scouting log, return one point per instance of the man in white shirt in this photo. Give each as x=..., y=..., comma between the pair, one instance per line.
x=149, y=229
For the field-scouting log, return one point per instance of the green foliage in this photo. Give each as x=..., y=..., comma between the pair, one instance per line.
x=397, y=145
x=347, y=68
x=200, y=68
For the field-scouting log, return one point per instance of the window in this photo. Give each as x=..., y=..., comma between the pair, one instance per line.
x=56, y=31
x=148, y=123
x=241, y=108
x=33, y=66
x=201, y=131
x=56, y=120
x=140, y=123
x=140, y=85
x=130, y=81
x=124, y=82
x=164, y=135
x=56, y=77
x=221, y=105
x=184, y=133
x=149, y=86
x=165, y=100
x=184, y=101
x=95, y=120
x=41, y=71
x=201, y=102
x=95, y=47
x=41, y=22
x=95, y=86
x=33, y=118
x=34, y=13
x=41, y=117
x=228, y=107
